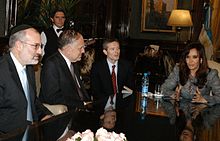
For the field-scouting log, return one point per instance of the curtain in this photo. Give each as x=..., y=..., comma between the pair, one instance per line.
x=215, y=24
x=197, y=13
x=205, y=36
x=210, y=31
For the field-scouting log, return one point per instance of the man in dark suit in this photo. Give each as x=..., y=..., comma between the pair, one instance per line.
x=60, y=75
x=19, y=105
x=105, y=96
x=50, y=36
x=57, y=83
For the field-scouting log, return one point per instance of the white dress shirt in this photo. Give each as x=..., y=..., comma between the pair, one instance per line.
x=44, y=38
x=108, y=104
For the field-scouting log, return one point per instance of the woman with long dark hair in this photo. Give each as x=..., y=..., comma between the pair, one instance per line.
x=192, y=78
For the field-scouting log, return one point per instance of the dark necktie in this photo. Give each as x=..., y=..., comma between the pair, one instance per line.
x=113, y=83
x=76, y=82
x=59, y=29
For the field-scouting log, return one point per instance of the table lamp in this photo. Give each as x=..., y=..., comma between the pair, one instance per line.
x=179, y=18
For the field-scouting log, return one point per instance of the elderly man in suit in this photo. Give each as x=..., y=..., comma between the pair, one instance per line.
x=19, y=105
x=108, y=78
x=60, y=76
x=57, y=83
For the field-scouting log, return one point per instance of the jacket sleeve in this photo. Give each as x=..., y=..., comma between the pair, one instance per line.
x=213, y=82
x=168, y=87
x=50, y=91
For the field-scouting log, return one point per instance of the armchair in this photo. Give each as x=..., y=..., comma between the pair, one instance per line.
x=56, y=109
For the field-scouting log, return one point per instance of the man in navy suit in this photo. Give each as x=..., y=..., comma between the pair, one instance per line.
x=103, y=87
x=19, y=105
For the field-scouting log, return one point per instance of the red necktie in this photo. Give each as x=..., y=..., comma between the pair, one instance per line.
x=113, y=83
x=114, y=80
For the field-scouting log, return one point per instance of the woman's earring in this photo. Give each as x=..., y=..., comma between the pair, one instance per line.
x=201, y=61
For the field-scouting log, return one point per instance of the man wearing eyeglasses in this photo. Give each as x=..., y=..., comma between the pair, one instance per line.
x=19, y=105
x=60, y=76
x=50, y=36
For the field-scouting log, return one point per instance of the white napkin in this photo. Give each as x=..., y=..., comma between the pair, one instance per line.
x=126, y=91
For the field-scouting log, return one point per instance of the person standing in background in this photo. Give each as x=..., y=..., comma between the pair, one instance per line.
x=19, y=105
x=50, y=36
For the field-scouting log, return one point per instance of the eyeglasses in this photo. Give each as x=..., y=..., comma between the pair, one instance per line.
x=36, y=46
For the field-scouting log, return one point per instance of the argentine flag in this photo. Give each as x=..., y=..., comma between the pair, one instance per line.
x=205, y=36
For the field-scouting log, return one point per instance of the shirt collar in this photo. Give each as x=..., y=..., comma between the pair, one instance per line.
x=110, y=64
x=66, y=59
x=55, y=27
x=18, y=65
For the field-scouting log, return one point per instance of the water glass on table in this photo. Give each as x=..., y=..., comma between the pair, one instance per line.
x=158, y=90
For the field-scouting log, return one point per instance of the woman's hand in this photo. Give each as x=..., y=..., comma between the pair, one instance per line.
x=176, y=95
x=198, y=98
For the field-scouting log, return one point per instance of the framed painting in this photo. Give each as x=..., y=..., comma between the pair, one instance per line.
x=155, y=15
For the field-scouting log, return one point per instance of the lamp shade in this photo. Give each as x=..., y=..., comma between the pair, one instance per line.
x=180, y=18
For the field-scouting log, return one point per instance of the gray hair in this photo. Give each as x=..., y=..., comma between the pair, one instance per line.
x=15, y=37
x=20, y=35
x=68, y=37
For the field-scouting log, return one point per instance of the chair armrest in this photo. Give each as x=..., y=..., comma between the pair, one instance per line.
x=214, y=65
x=67, y=135
x=56, y=109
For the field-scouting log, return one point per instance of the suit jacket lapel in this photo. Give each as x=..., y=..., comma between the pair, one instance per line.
x=32, y=89
x=65, y=67
x=119, y=75
x=31, y=81
x=107, y=75
x=77, y=72
x=14, y=72
x=67, y=71
x=107, y=72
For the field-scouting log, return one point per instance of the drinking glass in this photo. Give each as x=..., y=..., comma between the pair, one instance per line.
x=157, y=90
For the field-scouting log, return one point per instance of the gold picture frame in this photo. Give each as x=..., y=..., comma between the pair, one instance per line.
x=155, y=15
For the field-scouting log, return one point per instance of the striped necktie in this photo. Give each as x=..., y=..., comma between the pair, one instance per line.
x=79, y=90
